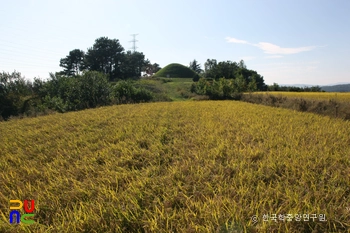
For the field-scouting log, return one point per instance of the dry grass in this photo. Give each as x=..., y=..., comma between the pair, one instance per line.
x=337, y=96
x=338, y=104
x=176, y=167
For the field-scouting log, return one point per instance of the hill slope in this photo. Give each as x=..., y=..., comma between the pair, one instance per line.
x=337, y=88
x=176, y=89
x=176, y=167
x=175, y=70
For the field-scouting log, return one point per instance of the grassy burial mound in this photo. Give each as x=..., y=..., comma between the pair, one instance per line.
x=175, y=70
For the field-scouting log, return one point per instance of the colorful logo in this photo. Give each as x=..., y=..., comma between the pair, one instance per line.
x=15, y=215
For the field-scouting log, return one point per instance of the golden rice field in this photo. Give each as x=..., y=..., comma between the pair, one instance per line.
x=209, y=166
x=338, y=96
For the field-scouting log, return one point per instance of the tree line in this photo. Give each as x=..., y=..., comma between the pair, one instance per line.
x=276, y=87
x=225, y=79
x=107, y=56
x=86, y=81
x=62, y=93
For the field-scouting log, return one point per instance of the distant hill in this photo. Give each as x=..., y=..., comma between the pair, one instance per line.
x=296, y=85
x=175, y=70
x=337, y=88
x=340, y=87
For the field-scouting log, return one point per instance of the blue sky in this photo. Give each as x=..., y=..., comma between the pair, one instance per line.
x=286, y=41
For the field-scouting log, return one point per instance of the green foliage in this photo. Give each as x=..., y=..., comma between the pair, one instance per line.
x=89, y=90
x=201, y=87
x=150, y=68
x=222, y=88
x=251, y=76
x=64, y=93
x=73, y=64
x=142, y=95
x=125, y=92
x=196, y=78
x=175, y=70
x=195, y=66
x=276, y=87
x=210, y=68
x=234, y=70
x=167, y=89
x=132, y=64
x=63, y=88
x=226, y=69
x=13, y=89
x=218, y=89
x=55, y=103
x=252, y=85
x=241, y=84
x=165, y=80
x=106, y=56
x=94, y=89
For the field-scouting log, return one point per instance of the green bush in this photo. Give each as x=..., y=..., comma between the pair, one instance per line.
x=13, y=92
x=55, y=103
x=94, y=89
x=196, y=77
x=64, y=93
x=125, y=92
x=219, y=89
x=143, y=95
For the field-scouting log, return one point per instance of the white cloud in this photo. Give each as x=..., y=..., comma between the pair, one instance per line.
x=274, y=56
x=275, y=49
x=269, y=48
x=234, y=40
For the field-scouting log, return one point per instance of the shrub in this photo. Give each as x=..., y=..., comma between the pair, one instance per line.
x=13, y=90
x=217, y=89
x=125, y=92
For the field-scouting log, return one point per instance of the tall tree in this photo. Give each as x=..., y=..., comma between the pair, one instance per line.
x=226, y=69
x=155, y=67
x=73, y=64
x=210, y=68
x=150, y=68
x=132, y=64
x=242, y=65
x=195, y=66
x=210, y=64
x=146, y=66
x=106, y=55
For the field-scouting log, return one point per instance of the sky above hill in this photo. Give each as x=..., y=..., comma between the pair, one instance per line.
x=287, y=42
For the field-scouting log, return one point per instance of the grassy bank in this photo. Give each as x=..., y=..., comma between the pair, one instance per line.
x=175, y=89
x=326, y=104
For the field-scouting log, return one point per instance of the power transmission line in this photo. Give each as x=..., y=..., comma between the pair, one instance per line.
x=134, y=42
